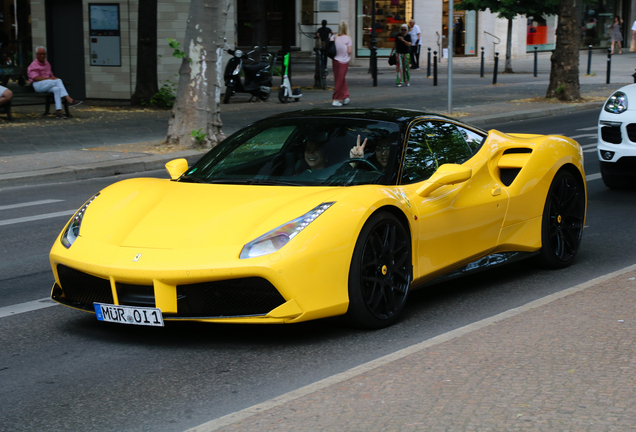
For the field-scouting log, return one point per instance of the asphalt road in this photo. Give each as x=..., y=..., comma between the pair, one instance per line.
x=60, y=369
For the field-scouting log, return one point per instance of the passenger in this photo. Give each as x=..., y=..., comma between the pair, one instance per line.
x=315, y=156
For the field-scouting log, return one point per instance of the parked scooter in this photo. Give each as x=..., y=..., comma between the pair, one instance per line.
x=285, y=93
x=257, y=79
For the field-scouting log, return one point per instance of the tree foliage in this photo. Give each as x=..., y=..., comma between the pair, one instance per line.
x=509, y=9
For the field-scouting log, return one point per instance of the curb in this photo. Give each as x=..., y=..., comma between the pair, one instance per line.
x=530, y=114
x=95, y=170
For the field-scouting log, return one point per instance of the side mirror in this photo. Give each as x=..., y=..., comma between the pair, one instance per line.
x=176, y=167
x=445, y=175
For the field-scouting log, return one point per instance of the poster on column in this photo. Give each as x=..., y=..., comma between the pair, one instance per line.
x=104, y=34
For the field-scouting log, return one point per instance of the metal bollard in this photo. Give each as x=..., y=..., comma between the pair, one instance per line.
x=428, y=65
x=494, y=75
x=609, y=65
x=434, y=68
x=589, y=60
x=481, y=72
x=536, y=60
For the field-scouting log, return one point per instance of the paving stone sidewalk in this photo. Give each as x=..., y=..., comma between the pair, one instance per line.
x=562, y=363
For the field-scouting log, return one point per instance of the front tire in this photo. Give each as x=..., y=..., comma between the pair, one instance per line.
x=562, y=223
x=228, y=95
x=380, y=272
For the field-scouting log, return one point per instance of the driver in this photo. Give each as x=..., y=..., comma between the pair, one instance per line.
x=380, y=158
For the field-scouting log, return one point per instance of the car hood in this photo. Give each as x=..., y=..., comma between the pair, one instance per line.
x=162, y=214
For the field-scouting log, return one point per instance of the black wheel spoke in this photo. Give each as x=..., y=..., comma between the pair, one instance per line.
x=385, y=270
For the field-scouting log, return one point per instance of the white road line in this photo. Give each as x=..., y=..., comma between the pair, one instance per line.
x=592, y=150
x=593, y=177
x=26, y=307
x=584, y=136
x=588, y=128
x=27, y=204
x=587, y=146
x=37, y=217
x=398, y=355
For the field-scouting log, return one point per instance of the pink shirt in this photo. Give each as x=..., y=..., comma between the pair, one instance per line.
x=343, y=43
x=37, y=69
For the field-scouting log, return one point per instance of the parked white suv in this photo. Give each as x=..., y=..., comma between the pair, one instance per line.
x=617, y=139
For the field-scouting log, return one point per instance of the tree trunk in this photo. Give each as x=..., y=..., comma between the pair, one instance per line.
x=201, y=76
x=564, y=71
x=508, y=68
x=146, y=86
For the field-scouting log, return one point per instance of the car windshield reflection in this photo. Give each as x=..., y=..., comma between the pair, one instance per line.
x=303, y=152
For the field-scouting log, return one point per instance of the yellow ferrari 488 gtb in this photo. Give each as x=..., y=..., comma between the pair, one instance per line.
x=320, y=213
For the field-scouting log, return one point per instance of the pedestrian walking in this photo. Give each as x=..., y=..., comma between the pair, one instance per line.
x=324, y=33
x=341, y=64
x=402, y=48
x=415, y=34
x=616, y=36
x=632, y=46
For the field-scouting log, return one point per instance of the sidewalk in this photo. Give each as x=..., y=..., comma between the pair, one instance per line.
x=561, y=363
x=106, y=138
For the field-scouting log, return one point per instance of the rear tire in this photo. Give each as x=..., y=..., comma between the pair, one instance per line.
x=380, y=272
x=281, y=95
x=227, y=96
x=562, y=223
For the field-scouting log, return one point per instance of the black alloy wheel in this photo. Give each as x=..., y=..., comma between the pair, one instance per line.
x=380, y=272
x=563, y=219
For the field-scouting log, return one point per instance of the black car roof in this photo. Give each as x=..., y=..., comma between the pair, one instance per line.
x=396, y=115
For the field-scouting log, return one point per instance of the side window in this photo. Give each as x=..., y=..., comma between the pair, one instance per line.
x=434, y=143
x=473, y=139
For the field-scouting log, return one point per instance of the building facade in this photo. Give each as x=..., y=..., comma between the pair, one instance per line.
x=92, y=44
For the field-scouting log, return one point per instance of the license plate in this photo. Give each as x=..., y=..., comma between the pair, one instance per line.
x=128, y=314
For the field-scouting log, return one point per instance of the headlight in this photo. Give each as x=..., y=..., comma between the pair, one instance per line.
x=279, y=237
x=71, y=233
x=617, y=103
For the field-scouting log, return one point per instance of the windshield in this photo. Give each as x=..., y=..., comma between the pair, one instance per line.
x=303, y=152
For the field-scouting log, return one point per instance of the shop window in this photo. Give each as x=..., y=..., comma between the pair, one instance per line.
x=389, y=16
x=464, y=31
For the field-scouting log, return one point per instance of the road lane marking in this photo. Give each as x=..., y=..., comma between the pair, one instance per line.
x=584, y=136
x=26, y=307
x=592, y=177
x=588, y=128
x=587, y=146
x=592, y=150
x=27, y=204
x=235, y=417
x=38, y=217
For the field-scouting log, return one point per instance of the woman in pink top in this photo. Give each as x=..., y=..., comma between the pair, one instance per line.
x=341, y=64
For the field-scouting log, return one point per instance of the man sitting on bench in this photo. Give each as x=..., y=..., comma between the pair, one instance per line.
x=40, y=74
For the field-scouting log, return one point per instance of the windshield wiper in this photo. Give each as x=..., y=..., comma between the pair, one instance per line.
x=190, y=179
x=264, y=182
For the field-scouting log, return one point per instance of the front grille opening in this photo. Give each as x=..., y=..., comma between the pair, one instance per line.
x=508, y=175
x=611, y=134
x=81, y=289
x=136, y=295
x=235, y=297
x=631, y=131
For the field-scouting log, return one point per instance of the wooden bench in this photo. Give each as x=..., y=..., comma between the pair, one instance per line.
x=23, y=93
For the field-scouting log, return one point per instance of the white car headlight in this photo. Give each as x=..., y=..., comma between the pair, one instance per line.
x=617, y=103
x=71, y=233
x=279, y=237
